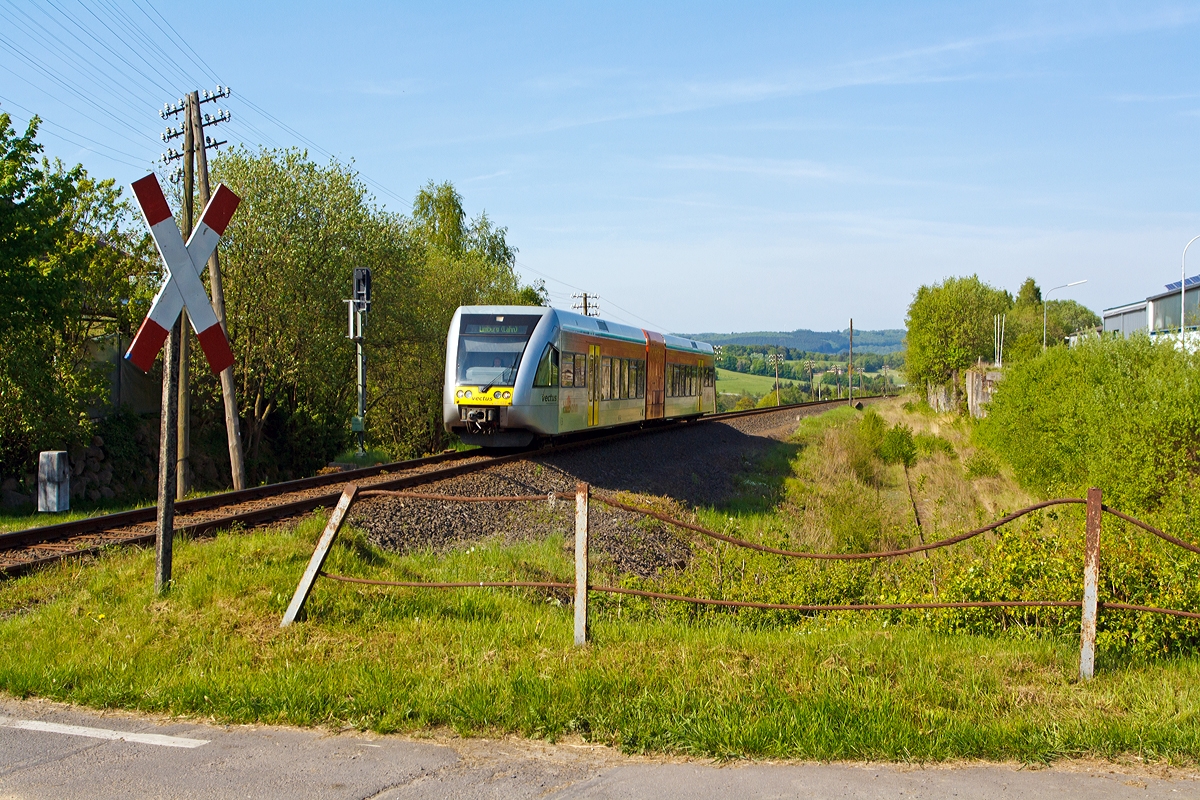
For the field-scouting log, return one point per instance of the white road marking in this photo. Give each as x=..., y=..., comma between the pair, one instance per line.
x=101, y=733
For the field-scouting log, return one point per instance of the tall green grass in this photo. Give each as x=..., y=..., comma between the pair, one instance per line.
x=489, y=662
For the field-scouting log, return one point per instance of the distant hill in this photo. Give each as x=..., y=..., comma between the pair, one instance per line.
x=885, y=341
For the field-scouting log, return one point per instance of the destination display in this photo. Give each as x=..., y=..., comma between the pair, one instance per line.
x=510, y=330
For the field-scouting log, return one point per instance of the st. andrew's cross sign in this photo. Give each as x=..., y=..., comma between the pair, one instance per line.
x=182, y=288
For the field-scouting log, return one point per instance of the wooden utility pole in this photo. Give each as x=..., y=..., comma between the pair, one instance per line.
x=233, y=434
x=775, y=359
x=850, y=371
x=183, y=452
x=588, y=306
x=164, y=534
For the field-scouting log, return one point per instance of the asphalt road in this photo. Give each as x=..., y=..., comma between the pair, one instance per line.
x=53, y=751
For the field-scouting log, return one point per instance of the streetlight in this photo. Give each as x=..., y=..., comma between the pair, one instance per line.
x=1183, y=283
x=1064, y=286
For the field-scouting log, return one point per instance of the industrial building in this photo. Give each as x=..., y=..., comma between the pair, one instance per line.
x=1159, y=314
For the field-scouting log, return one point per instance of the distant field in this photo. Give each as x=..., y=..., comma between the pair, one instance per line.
x=737, y=382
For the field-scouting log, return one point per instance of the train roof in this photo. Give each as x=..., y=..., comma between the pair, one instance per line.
x=593, y=326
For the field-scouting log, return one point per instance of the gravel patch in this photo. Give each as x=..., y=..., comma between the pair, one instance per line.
x=672, y=471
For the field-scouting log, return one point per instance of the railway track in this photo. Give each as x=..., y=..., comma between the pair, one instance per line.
x=24, y=550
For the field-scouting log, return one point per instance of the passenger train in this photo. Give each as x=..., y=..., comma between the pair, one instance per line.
x=516, y=373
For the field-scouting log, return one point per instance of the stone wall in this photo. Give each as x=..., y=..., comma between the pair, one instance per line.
x=99, y=472
x=944, y=397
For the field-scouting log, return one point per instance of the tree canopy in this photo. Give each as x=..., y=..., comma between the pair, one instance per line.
x=75, y=265
x=288, y=257
x=951, y=326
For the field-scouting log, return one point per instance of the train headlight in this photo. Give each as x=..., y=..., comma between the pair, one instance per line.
x=467, y=394
x=459, y=394
x=507, y=395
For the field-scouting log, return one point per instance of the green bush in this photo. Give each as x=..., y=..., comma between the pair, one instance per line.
x=872, y=429
x=898, y=446
x=1120, y=414
x=982, y=464
x=929, y=444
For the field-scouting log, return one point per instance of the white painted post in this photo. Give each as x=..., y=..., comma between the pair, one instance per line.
x=581, y=564
x=1091, y=585
x=54, y=481
x=295, y=609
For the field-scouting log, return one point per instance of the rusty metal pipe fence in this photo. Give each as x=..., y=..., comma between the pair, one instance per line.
x=1089, y=605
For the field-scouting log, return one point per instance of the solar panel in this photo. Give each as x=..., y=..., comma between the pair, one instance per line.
x=1192, y=281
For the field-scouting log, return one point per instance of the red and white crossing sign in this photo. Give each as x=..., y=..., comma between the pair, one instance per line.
x=183, y=287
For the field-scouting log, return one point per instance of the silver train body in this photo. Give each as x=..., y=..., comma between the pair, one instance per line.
x=516, y=373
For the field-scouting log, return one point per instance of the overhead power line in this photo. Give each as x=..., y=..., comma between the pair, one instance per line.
x=76, y=134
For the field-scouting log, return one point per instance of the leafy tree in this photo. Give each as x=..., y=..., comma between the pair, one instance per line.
x=1030, y=294
x=1023, y=326
x=950, y=327
x=1068, y=317
x=288, y=259
x=74, y=266
x=34, y=203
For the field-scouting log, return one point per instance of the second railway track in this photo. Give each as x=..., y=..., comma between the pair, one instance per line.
x=21, y=551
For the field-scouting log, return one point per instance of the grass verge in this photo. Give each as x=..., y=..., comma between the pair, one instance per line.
x=490, y=662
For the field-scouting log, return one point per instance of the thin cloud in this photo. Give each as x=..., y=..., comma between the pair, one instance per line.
x=1153, y=98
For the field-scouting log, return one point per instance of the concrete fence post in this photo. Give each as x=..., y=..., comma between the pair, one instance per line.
x=1091, y=586
x=581, y=564
x=54, y=481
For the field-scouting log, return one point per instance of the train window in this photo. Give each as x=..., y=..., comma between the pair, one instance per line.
x=566, y=371
x=490, y=353
x=710, y=376
x=624, y=378
x=547, y=369
x=605, y=378
x=679, y=380
x=581, y=369
x=641, y=384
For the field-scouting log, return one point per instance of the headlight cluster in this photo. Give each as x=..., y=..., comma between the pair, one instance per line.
x=465, y=394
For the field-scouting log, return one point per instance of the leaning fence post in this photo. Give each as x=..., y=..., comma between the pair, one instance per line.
x=1091, y=584
x=581, y=563
x=296, y=607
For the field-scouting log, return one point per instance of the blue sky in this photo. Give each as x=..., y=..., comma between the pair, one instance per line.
x=700, y=167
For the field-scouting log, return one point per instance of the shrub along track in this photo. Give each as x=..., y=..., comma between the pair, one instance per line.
x=21, y=551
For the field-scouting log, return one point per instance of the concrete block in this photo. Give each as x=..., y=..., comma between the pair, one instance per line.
x=54, y=481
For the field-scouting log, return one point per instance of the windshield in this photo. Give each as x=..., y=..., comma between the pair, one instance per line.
x=490, y=347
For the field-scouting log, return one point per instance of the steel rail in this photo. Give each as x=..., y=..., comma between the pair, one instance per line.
x=119, y=529
x=137, y=516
